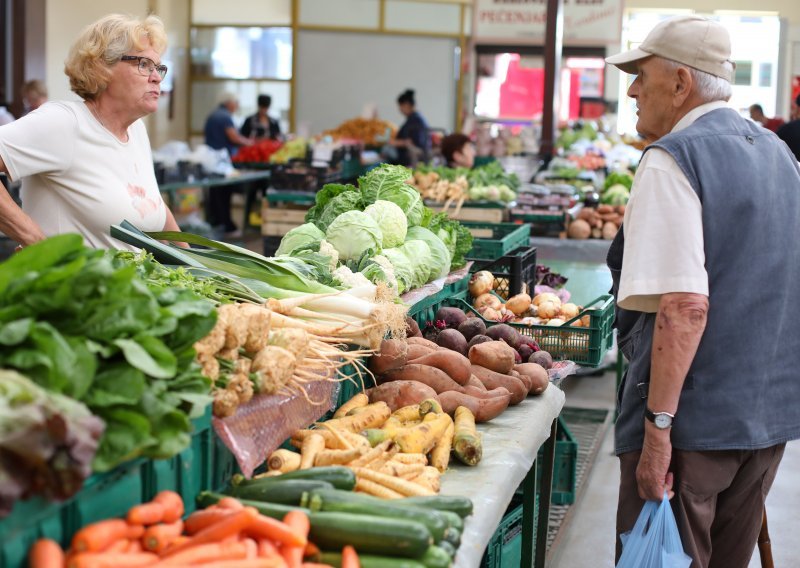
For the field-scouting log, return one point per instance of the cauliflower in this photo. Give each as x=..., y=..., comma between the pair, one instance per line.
x=349, y=278
x=326, y=249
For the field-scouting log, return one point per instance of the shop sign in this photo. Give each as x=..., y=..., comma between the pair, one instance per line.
x=524, y=21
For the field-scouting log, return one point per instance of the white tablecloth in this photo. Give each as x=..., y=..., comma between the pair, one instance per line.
x=510, y=444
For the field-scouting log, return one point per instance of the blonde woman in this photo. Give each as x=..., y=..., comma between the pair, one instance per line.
x=87, y=165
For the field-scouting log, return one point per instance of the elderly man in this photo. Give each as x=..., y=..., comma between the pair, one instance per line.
x=705, y=286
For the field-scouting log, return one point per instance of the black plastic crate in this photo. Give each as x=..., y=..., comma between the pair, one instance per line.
x=302, y=177
x=271, y=245
x=515, y=271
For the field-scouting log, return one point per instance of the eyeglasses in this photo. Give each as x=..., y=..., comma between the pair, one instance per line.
x=146, y=65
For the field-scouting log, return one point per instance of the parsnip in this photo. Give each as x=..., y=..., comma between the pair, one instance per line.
x=332, y=440
x=428, y=479
x=407, y=413
x=440, y=455
x=396, y=469
x=422, y=438
x=372, y=454
x=378, y=413
x=283, y=461
x=411, y=458
x=312, y=446
x=401, y=486
x=336, y=457
x=358, y=401
x=376, y=490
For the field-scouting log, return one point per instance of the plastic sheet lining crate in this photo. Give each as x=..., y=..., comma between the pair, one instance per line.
x=515, y=271
x=583, y=345
x=493, y=240
x=205, y=464
x=565, y=466
x=505, y=547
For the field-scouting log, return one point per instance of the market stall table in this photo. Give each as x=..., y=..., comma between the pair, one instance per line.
x=510, y=445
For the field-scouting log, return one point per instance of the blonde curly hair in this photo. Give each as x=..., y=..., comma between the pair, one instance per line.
x=102, y=44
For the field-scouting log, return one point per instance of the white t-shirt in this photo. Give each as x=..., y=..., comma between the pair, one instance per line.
x=77, y=177
x=664, y=245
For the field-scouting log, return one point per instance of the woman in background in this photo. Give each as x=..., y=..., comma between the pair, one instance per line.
x=413, y=141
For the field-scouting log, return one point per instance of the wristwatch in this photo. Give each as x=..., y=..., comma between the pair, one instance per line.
x=662, y=420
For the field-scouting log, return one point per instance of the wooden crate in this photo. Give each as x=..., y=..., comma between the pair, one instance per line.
x=277, y=219
x=481, y=214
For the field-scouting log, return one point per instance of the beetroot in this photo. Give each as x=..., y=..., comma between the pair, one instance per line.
x=478, y=339
x=472, y=327
x=517, y=357
x=525, y=351
x=504, y=332
x=453, y=340
x=530, y=342
x=452, y=317
x=542, y=358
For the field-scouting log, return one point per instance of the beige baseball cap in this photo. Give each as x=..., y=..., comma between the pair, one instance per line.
x=692, y=40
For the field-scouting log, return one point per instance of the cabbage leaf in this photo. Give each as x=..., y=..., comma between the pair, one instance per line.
x=392, y=221
x=353, y=233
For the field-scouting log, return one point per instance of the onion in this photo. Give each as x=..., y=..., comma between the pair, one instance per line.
x=481, y=283
x=487, y=300
x=546, y=297
x=569, y=310
x=490, y=314
x=519, y=304
x=555, y=322
x=549, y=310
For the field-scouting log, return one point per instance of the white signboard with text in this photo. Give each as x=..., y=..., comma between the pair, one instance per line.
x=523, y=21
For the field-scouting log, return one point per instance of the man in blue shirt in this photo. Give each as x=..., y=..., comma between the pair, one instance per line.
x=220, y=132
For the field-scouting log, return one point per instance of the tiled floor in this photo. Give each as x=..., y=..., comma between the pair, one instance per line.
x=588, y=540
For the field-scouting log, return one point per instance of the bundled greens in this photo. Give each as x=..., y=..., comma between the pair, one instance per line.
x=47, y=442
x=82, y=323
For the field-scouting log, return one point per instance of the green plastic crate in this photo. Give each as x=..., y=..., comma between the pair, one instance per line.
x=205, y=464
x=565, y=467
x=505, y=547
x=583, y=345
x=425, y=310
x=493, y=240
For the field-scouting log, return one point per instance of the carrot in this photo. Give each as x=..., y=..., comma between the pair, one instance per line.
x=311, y=551
x=158, y=537
x=96, y=537
x=298, y=521
x=266, y=548
x=200, y=520
x=146, y=514
x=265, y=527
x=275, y=562
x=251, y=547
x=232, y=524
x=135, y=546
x=230, y=503
x=118, y=546
x=209, y=552
x=350, y=558
x=314, y=565
x=46, y=553
x=173, y=505
x=111, y=560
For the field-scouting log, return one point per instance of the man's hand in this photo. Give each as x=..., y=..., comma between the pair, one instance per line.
x=652, y=473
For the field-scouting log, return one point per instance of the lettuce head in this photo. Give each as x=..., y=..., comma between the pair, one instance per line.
x=392, y=221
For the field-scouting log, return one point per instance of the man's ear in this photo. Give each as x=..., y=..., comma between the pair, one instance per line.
x=682, y=87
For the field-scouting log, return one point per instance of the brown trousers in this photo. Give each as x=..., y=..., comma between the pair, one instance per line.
x=719, y=498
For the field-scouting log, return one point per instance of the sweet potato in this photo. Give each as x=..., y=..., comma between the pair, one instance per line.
x=436, y=379
x=526, y=380
x=483, y=393
x=416, y=351
x=398, y=394
x=492, y=380
x=392, y=355
x=421, y=341
x=483, y=409
x=536, y=374
x=474, y=381
x=494, y=355
x=454, y=364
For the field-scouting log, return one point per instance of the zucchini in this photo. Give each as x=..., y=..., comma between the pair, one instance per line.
x=369, y=534
x=453, y=520
x=288, y=492
x=448, y=548
x=274, y=510
x=348, y=502
x=435, y=557
x=453, y=536
x=338, y=476
x=462, y=506
x=335, y=559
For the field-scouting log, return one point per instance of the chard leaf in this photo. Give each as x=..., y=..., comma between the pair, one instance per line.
x=127, y=432
x=15, y=332
x=118, y=384
x=149, y=355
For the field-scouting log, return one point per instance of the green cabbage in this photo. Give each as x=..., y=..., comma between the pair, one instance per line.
x=440, y=256
x=419, y=256
x=324, y=196
x=388, y=183
x=403, y=268
x=392, y=221
x=346, y=201
x=455, y=236
x=353, y=233
x=302, y=236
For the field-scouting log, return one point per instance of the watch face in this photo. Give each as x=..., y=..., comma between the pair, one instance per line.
x=663, y=421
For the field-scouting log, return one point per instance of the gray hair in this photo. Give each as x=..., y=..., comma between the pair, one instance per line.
x=709, y=87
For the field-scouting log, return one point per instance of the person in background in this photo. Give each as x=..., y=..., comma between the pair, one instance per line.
x=220, y=132
x=87, y=165
x=790, y=132
x=261, y=125
x=34, y=95
x=458, y=150
x=5, y=116
x=413, y=141
x=699, y=421
x=757, y=114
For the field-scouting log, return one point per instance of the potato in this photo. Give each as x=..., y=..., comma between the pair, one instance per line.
x=436, y=379
x=421, y=341
x=494, y=355
x=454, y=364
x=416, y=351
x=492, y=380
x=483, y=409
x=536, y=374
x=392, y=355
x=398, y=394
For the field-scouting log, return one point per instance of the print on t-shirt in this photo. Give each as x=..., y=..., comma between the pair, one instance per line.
x=139, y=200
